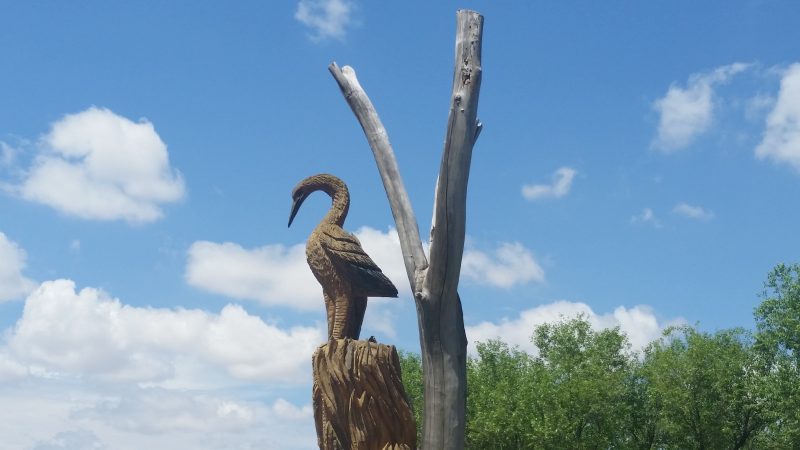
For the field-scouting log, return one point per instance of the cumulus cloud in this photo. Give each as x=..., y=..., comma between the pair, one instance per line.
x=277, y=275
x=10, y=369
x=98, y=165
x=72, y=440
x=693, y=212
x=88, y=334
x=639, y=323
x=112, y=375
x=273, y=274
x=781, y=141
x=13, y=285
x=379, y=320
x=158, y=411
x=562, y=182
x=83, y=416
x=647, y=216
x=509, y=265
x=7, y=154
x=686, y=112
x=326, y=18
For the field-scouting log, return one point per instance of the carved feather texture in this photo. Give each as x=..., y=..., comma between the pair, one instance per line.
x=346, y=253
x=347, y=274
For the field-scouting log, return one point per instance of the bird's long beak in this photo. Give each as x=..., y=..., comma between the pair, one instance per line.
x=295, y=207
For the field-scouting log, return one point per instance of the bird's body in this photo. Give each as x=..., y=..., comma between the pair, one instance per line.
x=347, y=274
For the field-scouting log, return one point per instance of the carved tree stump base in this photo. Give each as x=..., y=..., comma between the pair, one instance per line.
x=359, y=400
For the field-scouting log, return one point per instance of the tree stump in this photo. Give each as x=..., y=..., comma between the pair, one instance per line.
x=359, y=399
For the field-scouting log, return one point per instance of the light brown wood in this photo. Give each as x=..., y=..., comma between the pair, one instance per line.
x=347, y=274
x=359, y=400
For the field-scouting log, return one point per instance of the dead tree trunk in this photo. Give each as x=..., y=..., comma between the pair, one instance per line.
x=441, y=325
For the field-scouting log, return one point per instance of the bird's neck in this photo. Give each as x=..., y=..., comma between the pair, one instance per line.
x=340, y=205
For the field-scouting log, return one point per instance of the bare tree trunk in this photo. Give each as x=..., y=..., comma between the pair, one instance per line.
x=441, y=325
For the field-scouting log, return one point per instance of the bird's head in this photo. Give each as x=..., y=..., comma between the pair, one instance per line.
x=299, y=194
x=322, y=182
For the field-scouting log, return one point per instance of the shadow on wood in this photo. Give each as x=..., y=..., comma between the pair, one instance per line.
x=359, y=400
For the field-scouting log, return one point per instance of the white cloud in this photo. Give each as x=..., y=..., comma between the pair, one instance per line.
x=638, y=323
x=10, y=369
x=277, y=275
x=7, y=154
x=686, y=112
x=72, y=440
x=562, y=182
x=756, y=106
x=781, y=141
x=13, y=285
x=379, y=320
x=99, y=165
x=87, y=334
x=693, y=212
x=83, y=416
x=647, y=216
x=115, y=376
x=327, y=18
x=510, y=265
x=272, y=274
x=157, y=411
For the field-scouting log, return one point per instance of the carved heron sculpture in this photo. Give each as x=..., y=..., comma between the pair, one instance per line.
x=347, y=274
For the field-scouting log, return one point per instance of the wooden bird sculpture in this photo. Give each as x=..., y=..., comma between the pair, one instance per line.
x=347, y=274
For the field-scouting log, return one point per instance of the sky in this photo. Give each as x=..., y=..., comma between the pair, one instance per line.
x=639, y=164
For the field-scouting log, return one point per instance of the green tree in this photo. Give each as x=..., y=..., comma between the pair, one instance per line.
x=706, y=388
x=502, y=398
x=584, y=385
x=584, y=389
x=778, y=315
x=642, y=410
x=411, y=371
x=778, y=345
x=571, y=395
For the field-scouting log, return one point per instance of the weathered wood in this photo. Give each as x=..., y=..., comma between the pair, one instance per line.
x=359, y=399
x=439, y=314
x=442, y=336
x=410, y=243
x=449, y=217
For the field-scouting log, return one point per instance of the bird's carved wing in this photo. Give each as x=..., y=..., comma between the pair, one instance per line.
x=346, y=253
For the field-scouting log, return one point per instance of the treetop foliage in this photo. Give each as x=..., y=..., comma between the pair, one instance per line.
x=690, y=389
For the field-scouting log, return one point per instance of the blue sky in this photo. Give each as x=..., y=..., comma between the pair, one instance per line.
x=639, y=163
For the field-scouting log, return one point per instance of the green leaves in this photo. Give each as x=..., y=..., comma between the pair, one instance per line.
x=704, y=389
x=585, y=389
x=411, y=371
x=778, y=316
x=778, y=346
